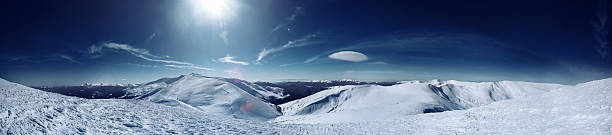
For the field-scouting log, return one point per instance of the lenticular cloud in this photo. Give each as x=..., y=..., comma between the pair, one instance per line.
x=349, y=56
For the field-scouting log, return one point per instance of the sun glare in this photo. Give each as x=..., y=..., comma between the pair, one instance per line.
x=214, y=8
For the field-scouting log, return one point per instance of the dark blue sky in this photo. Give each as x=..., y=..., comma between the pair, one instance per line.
x=133, y=41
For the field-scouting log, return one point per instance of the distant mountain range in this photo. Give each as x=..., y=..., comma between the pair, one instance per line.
x=291, y=99
x=338, y=99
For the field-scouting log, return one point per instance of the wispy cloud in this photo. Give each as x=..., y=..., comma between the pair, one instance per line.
x=349, y=56
x=68, y=58
x=304, y=41
x=54, y=57
x=379, y=63
x=130, y=49
x=296, y=12
x=311, y=59
x=230, y=59
x=151, y=37
x=601, y=29
x=189, y=67
x=144, y=54
x=279, y=26
x=24, y=59
x=423, y=41
x=95, y=51
x=142, y=65
x=284, y=65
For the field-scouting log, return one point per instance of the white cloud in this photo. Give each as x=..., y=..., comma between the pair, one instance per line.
x=304, y=41
x=379, y=63
x=349, y=56
x=128, y=48
x=97, y=51
x=230, y=59
x=263, y=54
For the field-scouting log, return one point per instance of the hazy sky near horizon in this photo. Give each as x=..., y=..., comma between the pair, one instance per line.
x=117, y=41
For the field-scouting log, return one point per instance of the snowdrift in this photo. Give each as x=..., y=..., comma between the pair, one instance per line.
x=373, y=102
x=224, y=96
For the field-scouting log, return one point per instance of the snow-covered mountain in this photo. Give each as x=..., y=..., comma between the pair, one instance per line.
x=373, y=102
x=582, y=109
x=25, y=110
x=234, y=97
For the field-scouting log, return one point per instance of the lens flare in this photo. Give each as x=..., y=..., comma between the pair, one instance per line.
x=235, y=73
x=246, y=107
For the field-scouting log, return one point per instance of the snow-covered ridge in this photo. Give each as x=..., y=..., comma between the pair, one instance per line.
x=253, y=89
x=226, y=96
x=371, y=102
x=25, y=110
x=582, y=109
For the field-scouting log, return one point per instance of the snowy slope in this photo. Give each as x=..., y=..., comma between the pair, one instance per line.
x=213, y=95
x=149, y=87
x=372, y=102
x=24, y=110
x=582, y=109
x=266, y=93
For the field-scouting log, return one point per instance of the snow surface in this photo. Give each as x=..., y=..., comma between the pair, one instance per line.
x=582, y=109
x=374, y=102
x=25, y=110
x=585, y=109
x=232, y=97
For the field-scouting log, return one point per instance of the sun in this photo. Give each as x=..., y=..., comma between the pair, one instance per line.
x=214, y=8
